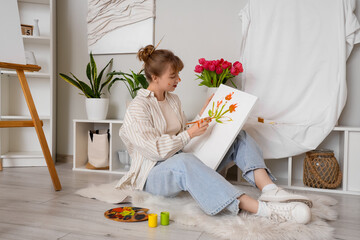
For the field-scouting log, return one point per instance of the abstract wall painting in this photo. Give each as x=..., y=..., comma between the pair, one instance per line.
x=120, y=26
x=229, y=110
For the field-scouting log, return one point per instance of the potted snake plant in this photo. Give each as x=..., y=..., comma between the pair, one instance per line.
x=96, y=106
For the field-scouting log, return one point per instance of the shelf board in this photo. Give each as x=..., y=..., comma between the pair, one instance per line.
x=36, y=39
x=120, y=170
x=99, y=121
x=84, y=169
x=27, y=74
x=297, y=184
x=14, y=155
x=346, y=128
x=282, y=182
x=18, y=117
x=47, y=2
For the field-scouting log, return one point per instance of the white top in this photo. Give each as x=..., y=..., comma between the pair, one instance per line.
x=173, y=126
x=144, y=135
x=294, y=54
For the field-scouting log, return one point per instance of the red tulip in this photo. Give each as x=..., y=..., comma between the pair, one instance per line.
x=226, y=65
x=238, y=66
x=219, y=70
x=234, y=71
x=207, y=65
x=199, y=69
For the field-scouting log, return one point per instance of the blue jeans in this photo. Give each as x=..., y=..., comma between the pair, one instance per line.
x=213, y=193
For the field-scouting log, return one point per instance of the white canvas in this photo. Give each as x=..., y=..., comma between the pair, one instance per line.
x=11, y=42
x=120, y=26
x=212, y=146
x=127, y=39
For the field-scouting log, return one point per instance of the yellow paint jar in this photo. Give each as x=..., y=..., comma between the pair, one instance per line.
x=152, y=220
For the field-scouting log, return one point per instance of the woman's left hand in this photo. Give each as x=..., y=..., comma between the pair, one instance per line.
x=206, y=103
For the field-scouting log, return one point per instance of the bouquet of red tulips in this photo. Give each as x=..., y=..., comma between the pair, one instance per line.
x=216, y=72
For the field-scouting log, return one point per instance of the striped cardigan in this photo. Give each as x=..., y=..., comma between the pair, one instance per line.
x=143, y=133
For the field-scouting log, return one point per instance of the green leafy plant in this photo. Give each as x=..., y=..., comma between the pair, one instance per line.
x=94, y=90
x=133, y=81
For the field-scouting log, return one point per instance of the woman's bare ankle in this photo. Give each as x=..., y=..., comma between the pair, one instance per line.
x=248, y=203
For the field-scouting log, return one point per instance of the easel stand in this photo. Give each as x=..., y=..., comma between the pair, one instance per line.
x=35, y=122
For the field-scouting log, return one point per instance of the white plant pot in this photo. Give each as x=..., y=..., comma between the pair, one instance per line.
x=97, y=108
x=211, y=91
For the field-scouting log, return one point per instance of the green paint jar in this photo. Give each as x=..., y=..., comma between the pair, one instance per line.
x=164, y=218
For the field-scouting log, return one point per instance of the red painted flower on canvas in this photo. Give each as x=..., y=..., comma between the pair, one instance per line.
x=232, y=107
x=219, y=112
x=229, y=96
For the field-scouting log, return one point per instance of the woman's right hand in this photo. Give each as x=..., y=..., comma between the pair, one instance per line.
x=199, y=128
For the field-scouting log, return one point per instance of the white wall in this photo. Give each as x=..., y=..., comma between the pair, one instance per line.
x=192, y=29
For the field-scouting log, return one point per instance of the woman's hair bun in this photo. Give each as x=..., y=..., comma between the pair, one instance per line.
x=144, y=53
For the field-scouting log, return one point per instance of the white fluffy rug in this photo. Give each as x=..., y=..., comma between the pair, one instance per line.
x=184, y=210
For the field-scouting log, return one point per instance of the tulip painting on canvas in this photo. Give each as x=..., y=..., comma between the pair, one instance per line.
x=229, y=108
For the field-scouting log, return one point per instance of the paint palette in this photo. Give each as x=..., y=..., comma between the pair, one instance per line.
x=127, y=214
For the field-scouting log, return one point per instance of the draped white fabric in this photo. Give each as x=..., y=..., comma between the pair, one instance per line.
x=107, y=15
x=294, y=54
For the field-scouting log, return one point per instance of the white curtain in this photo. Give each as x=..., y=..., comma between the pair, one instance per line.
x=294, y=54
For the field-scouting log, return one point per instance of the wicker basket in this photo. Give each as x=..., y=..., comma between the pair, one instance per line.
x=321, y=169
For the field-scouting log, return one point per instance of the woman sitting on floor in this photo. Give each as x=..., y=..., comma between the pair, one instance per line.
x=154, y=132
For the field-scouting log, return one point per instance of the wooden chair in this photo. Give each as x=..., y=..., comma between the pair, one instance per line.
x=35, y=122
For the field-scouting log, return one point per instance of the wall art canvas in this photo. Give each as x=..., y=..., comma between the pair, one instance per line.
x=120, y=26
x=11, y=42
x=229, y=110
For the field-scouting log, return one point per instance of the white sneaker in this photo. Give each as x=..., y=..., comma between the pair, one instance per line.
x=294, y=212
x=280, y=195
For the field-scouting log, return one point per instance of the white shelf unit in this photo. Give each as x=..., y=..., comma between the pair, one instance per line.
x=20, y=146
x=81, y=128
x=344, y=141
